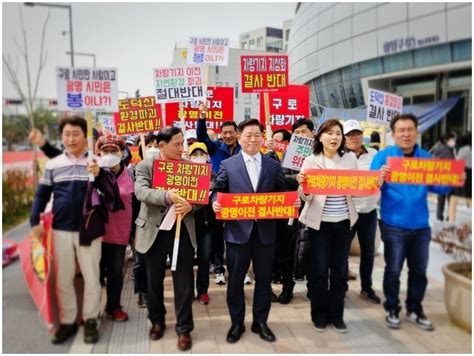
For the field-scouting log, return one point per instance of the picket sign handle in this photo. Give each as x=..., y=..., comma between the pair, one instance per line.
x=142, y=144
x=266, y=105
x=183, y=125
x=382, y=141
x=90, y=142
x=176, y=242
x=163, y=114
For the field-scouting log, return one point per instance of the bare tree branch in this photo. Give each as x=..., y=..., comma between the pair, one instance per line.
x=29, y=104
x=42, y=61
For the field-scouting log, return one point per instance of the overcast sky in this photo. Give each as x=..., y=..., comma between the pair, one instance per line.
x=132, y=37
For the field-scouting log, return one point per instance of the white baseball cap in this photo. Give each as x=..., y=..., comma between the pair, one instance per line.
x=351, y=125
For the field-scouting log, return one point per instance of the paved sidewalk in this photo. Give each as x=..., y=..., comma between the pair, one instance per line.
x=291, y=324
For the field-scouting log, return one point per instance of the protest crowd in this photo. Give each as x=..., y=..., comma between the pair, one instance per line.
x=239, y=201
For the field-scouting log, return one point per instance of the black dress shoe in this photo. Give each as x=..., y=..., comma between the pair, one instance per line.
x=264, y=331
x=274, y=297
x=156, y=331
x=234, y=333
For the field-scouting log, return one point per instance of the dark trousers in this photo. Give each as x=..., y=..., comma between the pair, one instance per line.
x=238, y=262
x=440, y=206
x=139, y=273
x=329, y=251
x=112, y=263
x=366, y=227
x=284, y=253
x=183, y=279
x=412, y=245
x=204, y=248
x=218, y=247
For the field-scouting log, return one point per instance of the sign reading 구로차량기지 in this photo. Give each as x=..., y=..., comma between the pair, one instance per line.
x=87, y=89
x=286, y=106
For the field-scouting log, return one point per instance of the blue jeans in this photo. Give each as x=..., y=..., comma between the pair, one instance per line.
x=414, y=246
x=329, y=251
x=366, y=227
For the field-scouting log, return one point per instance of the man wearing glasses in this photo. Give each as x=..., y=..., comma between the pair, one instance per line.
x=405, y=227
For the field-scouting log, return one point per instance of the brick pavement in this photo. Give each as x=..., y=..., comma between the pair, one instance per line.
x=291, y=324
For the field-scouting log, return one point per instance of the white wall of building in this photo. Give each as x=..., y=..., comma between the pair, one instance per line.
x=328, y=36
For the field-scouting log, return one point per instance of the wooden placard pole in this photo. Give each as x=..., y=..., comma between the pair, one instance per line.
x=143, y=146
x=268, y=120
x=183, y=125
x=177, y=234
x=90, y=142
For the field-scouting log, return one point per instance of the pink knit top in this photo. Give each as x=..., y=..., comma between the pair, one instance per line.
x=118, y=230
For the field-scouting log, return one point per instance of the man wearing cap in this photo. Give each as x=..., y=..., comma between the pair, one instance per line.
x=366, y=225
x=66, y=178
x=156, y=243
x=205, y=220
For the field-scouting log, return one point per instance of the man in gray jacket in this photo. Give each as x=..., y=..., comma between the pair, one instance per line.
x=156, y=244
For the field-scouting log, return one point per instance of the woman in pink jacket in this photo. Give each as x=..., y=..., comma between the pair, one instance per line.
x=118, y=229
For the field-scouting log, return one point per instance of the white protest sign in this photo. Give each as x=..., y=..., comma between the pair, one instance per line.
x=208, y=50
x=179, y=84
x=87, y=89
x=107, y=123
x=382, y=106
x=299, y=148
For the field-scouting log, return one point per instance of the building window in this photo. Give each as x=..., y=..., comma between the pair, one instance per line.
x=372, y=67
x=217, y=72
x=461, y=50
x=432, y=55
x=236, y=92
x=252, y=44
x=287, y=34
x=247, y=98
x=398, y=62
x=260, y=42
x=247, y=113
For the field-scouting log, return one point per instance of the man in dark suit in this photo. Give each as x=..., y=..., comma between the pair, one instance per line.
x=249, y=240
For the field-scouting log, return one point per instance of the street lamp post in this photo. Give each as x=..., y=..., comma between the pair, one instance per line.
x=83, y=54
x=69, y=8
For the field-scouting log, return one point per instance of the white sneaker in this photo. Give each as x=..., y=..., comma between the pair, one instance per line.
x=220, y=279
x=420, y=320
x=247, y=279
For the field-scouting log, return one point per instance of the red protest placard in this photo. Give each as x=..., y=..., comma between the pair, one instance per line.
x=192, y=180
x=251, y=206
x=286, y=106
x=341, y=182
x=425, y=171
x=263, y=73
x=220, y=104
x=138, y=115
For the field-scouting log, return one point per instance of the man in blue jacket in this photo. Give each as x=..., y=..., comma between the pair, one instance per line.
x=405, y=227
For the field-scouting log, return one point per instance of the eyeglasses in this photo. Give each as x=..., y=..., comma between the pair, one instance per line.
x=408, y=130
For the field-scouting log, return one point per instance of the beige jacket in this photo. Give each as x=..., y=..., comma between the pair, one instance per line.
x=313, y=208
x=152, y=210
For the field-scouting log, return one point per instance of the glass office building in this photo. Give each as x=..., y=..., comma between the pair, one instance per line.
x=421, y=51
